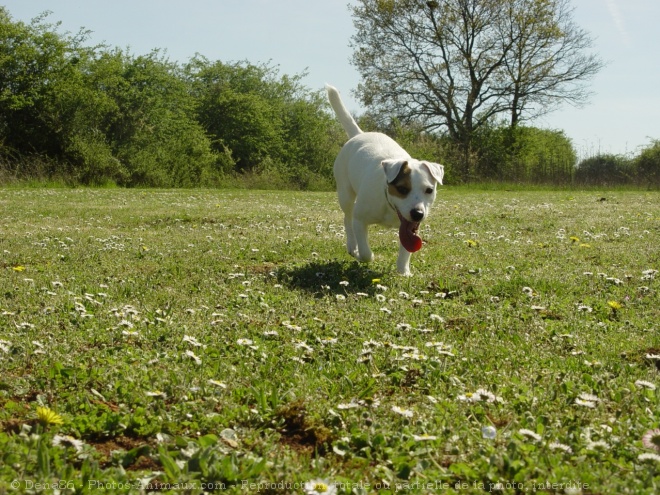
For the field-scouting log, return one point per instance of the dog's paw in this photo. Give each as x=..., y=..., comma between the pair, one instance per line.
x=366, y=258
x=405, y=273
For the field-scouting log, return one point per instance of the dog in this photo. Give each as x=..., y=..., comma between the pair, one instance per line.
x=379, y=183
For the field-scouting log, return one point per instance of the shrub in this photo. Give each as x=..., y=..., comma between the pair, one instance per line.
x=605, y=170
x=648, y=165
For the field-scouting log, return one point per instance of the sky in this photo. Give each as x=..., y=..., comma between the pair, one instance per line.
x=313, y=36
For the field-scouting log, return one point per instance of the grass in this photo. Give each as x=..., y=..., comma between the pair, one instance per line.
x=197, y=340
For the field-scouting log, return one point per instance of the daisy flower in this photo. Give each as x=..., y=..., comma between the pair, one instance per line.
x=645, y=384
x=560, y=446
x=191, y=340
x=648, y=457
x=157, y=394
x=194, y=357
x=598, y=444
x=530, y=434
x=585, y=403
x=68, y=441
x=651, y=439
x=588, y=397
x=320, y=487
x=407, y=413
x=424, y=438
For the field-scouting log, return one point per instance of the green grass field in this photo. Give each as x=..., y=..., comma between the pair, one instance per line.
x=192, y=340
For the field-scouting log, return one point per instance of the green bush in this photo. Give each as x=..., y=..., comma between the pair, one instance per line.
x=605, y=170
x=648, y=165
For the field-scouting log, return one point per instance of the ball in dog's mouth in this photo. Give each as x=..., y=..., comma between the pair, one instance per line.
x=408, y=234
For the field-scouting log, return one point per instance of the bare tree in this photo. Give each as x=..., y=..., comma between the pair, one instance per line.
x=547, y=63
x=458, y=64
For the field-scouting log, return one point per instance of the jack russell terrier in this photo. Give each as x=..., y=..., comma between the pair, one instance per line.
x=379, y=183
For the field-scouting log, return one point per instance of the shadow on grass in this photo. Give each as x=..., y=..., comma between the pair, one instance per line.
x=317, y=276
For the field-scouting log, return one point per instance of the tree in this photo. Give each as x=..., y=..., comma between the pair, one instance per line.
x=548, y=60
x=458, y=64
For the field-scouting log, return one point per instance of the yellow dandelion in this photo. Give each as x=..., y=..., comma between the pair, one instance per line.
x=575, y=239
x=471, y=243
x=584, y=245
x=375, y=280
x=47, y=416
x=18, y=268
x=614, y=305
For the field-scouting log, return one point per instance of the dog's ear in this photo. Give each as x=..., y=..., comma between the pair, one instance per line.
x=392, y=167
x=436, y=170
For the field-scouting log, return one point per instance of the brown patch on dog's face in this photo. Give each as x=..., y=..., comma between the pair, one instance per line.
x=401, y=186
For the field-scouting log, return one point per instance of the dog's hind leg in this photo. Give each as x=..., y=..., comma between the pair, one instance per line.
x=347, y=202
x=361, y=236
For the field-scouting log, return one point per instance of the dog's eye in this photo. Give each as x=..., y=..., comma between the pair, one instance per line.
x=429, y=190
x=402, y=190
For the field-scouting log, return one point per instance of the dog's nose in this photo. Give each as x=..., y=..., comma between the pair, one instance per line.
x=416, y=215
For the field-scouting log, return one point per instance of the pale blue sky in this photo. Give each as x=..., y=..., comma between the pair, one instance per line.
x=622, y=116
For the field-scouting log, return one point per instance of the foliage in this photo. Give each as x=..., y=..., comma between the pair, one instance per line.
x=604, y=170
x=106, y=116
x=648, y=165
x=77, y=114
x=215, y=338
x=524, y=154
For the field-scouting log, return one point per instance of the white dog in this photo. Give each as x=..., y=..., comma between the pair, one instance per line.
x=378, y=182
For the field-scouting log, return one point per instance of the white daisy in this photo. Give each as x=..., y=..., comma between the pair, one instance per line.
x=651, y=439
x=194, y=357
x=585, y=403
x=424, y=438
x=598, y=444
x=645, y=384
x=68, y=441
x=560, y=446
x=588, y=397
x=648, y=457
x=157, y=394
x=530, y=434
x=407, y=413
x=191, y=340
x=320, y=487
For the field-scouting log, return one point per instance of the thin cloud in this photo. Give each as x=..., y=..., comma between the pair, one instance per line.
x=617, y=17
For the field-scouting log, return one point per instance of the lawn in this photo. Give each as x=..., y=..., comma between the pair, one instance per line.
x=192, y=340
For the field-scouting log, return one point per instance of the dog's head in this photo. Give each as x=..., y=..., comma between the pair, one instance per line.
x=411, y=190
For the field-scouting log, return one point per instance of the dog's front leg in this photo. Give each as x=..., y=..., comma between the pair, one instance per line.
x=351, y=243
x=403, y=262
x=361, y=236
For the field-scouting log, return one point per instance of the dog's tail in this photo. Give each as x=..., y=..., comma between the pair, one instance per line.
x=347, y=122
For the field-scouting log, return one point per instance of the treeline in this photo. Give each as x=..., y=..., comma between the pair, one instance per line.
x=99, y=115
